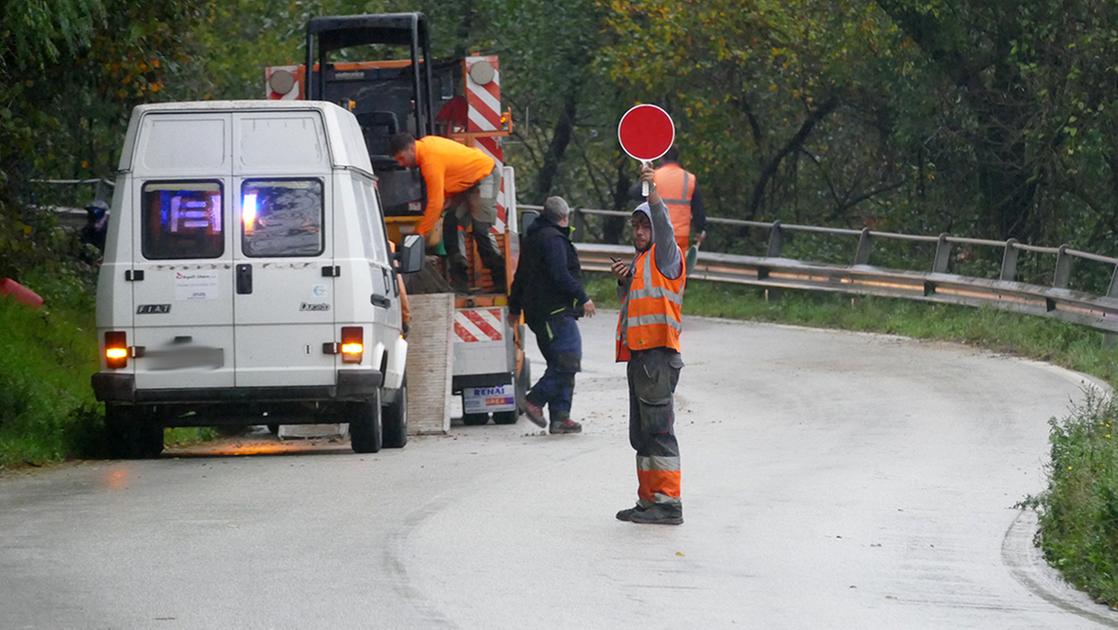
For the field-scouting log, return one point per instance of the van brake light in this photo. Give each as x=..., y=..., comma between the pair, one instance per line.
x=116, y=349
x=353, y=346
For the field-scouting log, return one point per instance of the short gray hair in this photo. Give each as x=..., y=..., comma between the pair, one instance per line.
x=555, y=209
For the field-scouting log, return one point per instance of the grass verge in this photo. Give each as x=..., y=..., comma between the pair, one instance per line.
x=1079, y=510
x=47, y=410
x=47, y=355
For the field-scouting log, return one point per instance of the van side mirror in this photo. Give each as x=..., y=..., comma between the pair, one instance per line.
x=410, y=255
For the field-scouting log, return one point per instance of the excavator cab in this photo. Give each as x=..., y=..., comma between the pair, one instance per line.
x=387, y=96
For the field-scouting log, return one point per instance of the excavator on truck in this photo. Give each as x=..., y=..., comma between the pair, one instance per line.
x=379, y=66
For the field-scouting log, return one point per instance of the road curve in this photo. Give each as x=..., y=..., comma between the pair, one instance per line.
x=831, y=480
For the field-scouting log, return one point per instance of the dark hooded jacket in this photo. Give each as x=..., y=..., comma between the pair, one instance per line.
x=548, y=278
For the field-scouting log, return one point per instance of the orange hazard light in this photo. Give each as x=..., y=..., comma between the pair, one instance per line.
x=116, y=349
x=353, y=344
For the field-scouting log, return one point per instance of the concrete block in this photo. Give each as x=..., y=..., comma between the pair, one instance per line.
x=308, y=431
x=430, y=363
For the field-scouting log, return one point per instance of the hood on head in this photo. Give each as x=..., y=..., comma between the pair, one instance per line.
x=646, y=210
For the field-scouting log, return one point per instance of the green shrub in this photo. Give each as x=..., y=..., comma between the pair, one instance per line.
x=1079, y=511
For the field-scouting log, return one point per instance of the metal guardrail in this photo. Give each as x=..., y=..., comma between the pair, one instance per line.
x=861, y=278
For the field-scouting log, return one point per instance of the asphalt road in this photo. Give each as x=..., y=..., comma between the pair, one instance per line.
x=831, y=480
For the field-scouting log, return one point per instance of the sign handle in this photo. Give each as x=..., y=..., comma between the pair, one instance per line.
x=644, y=184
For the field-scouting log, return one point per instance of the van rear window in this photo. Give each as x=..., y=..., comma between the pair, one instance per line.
x=281, y=218
x=182, y=220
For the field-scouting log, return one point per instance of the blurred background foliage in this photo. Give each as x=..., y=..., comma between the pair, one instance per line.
x=977, y=118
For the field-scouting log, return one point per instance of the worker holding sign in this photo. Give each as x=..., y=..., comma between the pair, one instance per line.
x=648, y=333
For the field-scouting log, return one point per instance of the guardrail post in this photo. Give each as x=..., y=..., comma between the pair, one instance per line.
x=865, y=246
x=1063, y=269
x=776, y=240
x=1009, y=261
x=1110, y=340
x=579, y=221
x=943, y=255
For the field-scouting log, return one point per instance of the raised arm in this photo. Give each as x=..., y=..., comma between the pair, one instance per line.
x=668, y=257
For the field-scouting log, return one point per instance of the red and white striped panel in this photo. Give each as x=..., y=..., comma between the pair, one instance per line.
x=479, y=324
x=484, y=114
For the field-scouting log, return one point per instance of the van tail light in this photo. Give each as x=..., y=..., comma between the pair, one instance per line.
x=353, y=344
x=116, y=349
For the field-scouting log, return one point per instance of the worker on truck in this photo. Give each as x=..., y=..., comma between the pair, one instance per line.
x=464, y=182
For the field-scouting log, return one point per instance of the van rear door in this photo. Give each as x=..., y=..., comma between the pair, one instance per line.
x=283, y=261
x=181, y=273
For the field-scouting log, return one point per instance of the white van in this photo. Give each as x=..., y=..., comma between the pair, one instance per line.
x=247, y=277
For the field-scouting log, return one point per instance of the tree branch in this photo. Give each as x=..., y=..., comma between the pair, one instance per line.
x=794, y=144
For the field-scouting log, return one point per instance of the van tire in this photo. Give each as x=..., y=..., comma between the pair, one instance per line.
x=132, y=434
x=365, y=434
x=395, y=419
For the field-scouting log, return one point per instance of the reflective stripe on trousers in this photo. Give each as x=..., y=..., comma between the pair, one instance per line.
x=652, y=376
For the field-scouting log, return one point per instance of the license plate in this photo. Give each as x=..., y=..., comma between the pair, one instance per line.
x=488, y=399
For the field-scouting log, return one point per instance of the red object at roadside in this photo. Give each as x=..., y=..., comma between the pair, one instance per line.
x=20, y=293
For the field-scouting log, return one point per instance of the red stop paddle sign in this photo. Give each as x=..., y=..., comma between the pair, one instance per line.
x=646, y=132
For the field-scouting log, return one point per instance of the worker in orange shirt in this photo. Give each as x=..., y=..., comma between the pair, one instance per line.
x=464, y=182
x=680, y=191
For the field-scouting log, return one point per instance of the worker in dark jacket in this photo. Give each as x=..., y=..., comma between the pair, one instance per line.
x=548, y=289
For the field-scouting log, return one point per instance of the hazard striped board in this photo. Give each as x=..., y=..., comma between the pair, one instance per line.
x=478, y=325
x=484, y=114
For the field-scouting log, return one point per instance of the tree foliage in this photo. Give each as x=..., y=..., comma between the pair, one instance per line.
x=992, y=119
x=73, y=70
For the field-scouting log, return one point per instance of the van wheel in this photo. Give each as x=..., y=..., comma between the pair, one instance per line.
x=396, y=419
x=475, y=419
x=132, y=434
x=505, y=417
x=364, y=425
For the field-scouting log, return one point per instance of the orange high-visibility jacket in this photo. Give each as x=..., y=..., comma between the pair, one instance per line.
x=677, y=186
x=448, y=168
x=652, y=311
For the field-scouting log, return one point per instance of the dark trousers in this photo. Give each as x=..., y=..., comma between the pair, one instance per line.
x=561, y=345
x=653, y=375
x=486, y=246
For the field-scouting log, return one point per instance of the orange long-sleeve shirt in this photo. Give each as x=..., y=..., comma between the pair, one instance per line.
x=448, y=168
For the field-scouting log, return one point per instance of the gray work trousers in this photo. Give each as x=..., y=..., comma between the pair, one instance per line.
x=653, y=375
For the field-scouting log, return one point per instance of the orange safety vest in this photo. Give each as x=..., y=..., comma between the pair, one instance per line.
x=652, y=311
x=677, y=186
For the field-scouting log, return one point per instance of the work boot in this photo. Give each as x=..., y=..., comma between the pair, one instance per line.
x=627, y=515
x=535, y=413
x=499, y=285
x=658, y=514
x=565, y=426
